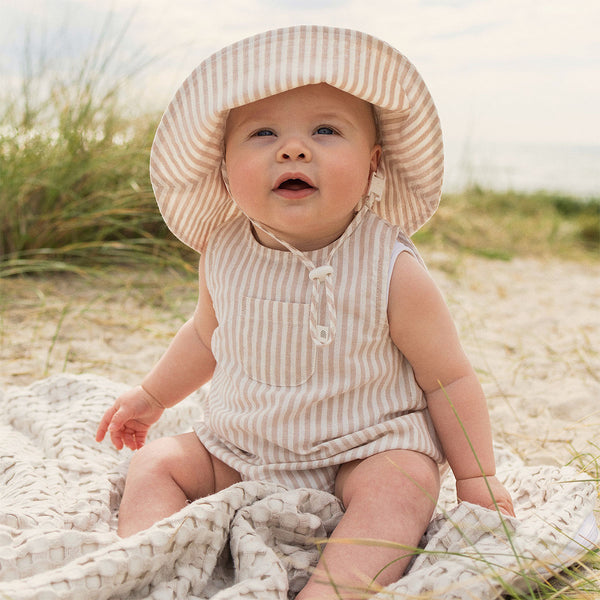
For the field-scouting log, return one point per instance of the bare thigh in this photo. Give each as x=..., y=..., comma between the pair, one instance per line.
x=185, y=460
x=389, y=471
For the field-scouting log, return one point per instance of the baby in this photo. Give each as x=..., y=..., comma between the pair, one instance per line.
x=298, y=162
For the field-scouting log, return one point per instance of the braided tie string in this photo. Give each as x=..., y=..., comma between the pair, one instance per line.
x=322, y=335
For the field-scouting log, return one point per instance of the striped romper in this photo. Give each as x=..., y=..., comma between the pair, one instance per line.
x=282, y=407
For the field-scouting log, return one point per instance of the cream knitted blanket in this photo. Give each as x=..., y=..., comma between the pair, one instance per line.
x=60, y=492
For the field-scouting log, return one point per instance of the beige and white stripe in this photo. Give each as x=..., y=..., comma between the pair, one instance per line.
x=187, y=153
x=282, y=408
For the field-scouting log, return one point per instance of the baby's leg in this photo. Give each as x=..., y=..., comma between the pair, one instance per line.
x=388, y=497
x=164, y=475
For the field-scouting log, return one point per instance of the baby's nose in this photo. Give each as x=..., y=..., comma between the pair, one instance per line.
x=294, y=149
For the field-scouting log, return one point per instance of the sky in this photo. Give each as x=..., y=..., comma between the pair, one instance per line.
x=510, y=71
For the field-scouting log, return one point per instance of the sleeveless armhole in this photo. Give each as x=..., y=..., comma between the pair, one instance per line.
x=397, y=250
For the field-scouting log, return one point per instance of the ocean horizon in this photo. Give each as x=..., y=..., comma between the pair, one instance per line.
x=569, y=169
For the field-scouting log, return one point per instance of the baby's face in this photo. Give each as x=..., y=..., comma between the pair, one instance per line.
x=299, y=162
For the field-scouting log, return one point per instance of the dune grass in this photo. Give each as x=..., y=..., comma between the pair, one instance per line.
x=502, y=225
x=78, y=197
x=75, y=193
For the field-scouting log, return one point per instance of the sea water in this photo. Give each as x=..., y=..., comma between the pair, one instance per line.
x=572, y=170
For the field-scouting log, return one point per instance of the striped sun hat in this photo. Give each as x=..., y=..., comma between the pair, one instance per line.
x=187, y=153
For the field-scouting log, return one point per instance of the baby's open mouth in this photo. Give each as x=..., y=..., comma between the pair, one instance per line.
x=294, y=185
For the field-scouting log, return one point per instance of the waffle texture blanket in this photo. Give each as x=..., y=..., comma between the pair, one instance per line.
x=60, y=493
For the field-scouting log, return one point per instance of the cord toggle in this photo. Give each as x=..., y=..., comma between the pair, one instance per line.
x=320, y=273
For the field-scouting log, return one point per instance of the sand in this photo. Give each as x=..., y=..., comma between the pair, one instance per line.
x=531, y=328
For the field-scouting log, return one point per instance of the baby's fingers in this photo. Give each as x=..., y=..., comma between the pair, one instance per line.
x=116, y=438
x=505, y=506
x=134, y=440
x=119, y=419
x=105, y=423
x=121, y=432
x=113, y=423
x=121, y=438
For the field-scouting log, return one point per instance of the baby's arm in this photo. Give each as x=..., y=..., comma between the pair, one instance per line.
x=422, y=328
x=186, y=365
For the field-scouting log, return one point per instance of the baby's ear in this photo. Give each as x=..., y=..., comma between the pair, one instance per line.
x=225, y=176
x=376, y=153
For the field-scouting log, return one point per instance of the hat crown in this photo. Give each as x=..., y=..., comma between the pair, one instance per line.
x=276, y=61
x=188, y=148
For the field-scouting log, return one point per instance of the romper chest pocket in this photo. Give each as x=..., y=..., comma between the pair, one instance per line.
x=275, y=346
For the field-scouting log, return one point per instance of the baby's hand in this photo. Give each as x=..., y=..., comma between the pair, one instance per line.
x=475, y=490
x=129, y=418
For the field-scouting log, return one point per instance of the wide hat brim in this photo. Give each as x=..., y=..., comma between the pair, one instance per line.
x=187, y=153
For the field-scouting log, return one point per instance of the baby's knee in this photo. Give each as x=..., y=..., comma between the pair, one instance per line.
x=181, y=460
x=153, y=458
x=417, y=470
x=392, y=477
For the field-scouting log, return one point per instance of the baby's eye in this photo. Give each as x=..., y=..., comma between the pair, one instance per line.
x=263, y=133
x=324, y=130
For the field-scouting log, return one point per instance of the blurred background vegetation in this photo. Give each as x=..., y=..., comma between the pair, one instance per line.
x=75, y=193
